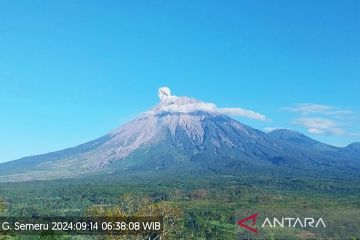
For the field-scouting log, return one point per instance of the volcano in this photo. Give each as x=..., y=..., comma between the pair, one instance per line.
x=185, y=134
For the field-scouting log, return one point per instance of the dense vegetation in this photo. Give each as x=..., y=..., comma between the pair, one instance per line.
x=202, y=207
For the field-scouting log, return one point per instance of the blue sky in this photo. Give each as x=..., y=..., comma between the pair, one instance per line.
x=71, y=71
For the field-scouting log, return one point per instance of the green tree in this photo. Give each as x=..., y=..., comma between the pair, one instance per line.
x=2, y=206
x=2, y=210
x=138, y=205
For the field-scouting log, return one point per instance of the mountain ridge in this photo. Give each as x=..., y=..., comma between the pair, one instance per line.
x=184, y=133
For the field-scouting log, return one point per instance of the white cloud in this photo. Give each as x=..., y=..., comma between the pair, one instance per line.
x=210, y=107
x=322, y=119
x=242, y=112
x=270, y=129
x=320, y=126
x=170, y=103
x=313, y=108
x=189, y=107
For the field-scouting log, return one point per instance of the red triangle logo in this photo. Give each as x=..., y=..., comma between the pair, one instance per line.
x=251, y=217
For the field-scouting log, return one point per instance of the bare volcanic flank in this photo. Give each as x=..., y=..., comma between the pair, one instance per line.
x=182, y=133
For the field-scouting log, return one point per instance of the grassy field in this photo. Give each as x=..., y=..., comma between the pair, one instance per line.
x=203, y=207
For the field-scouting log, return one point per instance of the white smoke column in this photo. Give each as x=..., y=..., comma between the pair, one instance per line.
x=164, y=92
